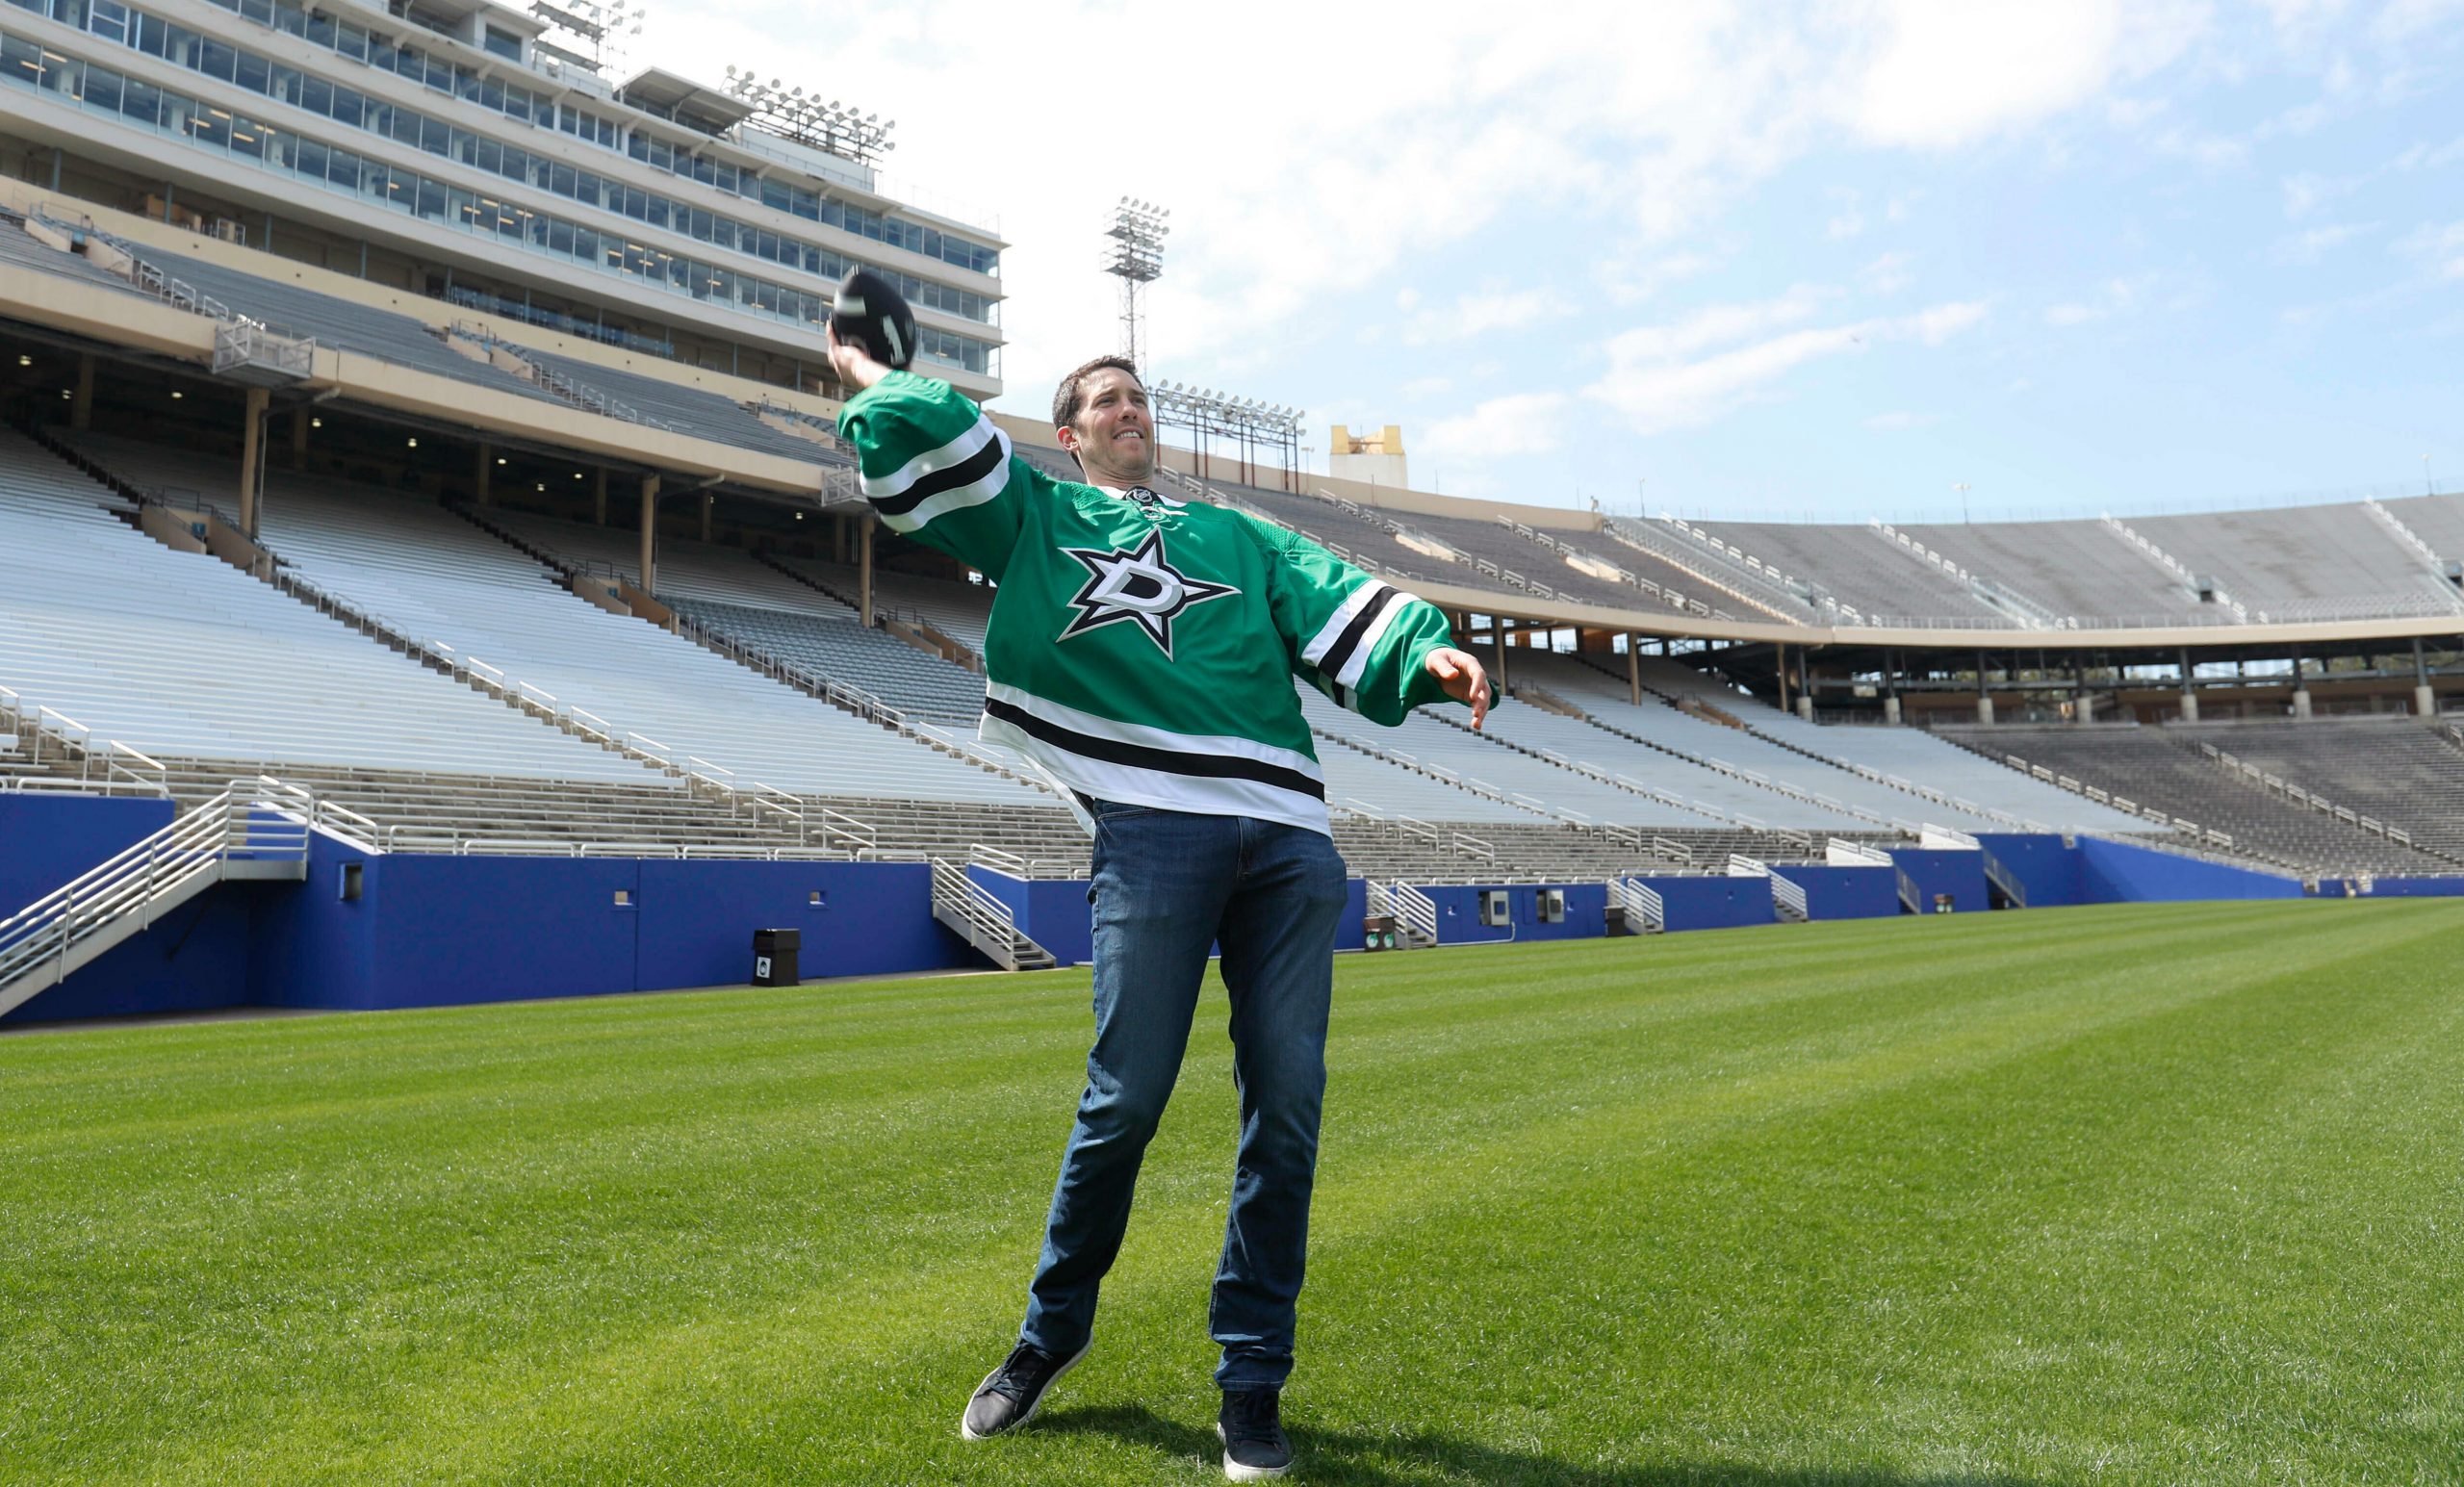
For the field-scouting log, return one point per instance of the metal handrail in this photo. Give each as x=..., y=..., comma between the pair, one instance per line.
x=1417, y=910
x=132, y=880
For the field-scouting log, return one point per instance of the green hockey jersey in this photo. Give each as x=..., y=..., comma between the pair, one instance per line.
x=1142, y=647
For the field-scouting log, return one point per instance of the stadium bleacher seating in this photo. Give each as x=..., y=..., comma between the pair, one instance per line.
x=688, y=410
x=180, y=655
x=2392, y=769
x=2151, y=768
x=2077, y=568
x=1907, y=759
x=957, y=609
x=334, y=321
x=20, y=248
x=1862, y=567
x=2438, y=520
x=2303, y=562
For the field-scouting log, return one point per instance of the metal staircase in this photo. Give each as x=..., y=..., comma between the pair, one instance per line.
x=244, y=833
x=983, y=921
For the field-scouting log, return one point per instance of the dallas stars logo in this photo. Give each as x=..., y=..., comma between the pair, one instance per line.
x=1140, y=586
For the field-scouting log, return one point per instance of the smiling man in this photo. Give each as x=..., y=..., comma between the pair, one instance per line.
x=1141, y=652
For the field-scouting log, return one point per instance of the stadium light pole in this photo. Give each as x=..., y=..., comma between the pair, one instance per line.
x=1962, y=488
x=1135, y=256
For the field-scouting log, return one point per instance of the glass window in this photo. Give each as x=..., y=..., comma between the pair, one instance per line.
x=102, y=89
x=504, y=43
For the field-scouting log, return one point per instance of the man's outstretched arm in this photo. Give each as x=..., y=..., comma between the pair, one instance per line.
x=931, y=464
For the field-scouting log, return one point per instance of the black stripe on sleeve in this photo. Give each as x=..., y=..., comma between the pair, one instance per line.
x=1339, y=654
x=966, y=472
x=1170, y=761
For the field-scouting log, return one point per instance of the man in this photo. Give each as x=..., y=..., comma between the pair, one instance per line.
x=1140, y=652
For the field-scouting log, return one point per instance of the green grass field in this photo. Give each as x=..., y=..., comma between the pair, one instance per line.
x=2163, y=1193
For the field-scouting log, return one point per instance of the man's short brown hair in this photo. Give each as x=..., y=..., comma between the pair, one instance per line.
x=1064, y=397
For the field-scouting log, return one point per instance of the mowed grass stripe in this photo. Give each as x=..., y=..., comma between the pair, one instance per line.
x=727, y=1290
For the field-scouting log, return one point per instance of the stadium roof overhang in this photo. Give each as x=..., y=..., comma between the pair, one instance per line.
x=672, y=93
x=127, y=328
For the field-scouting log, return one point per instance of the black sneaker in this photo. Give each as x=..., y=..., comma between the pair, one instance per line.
x=1254, y=1445
x=1011, y=1394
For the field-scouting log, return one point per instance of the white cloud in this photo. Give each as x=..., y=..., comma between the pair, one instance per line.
x=1653, y=386
x=2440, y=249
x=2308, y=247
x=1717, y=324
x=1484, y=312
x=1627, y=281
x=1887, y=275
x=1517, y=424
x=1949, y=71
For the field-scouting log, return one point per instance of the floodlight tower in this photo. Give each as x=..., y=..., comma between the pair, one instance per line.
x=1136, y=257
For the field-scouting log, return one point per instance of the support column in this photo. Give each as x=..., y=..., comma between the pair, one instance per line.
x=252, y=459
x=709, y=500
x=598, y=496
x=2301, y=688
x=865, y=569
x=1890, y=686
x=1497, y=632
x=1984, y=697
x=1805, y=687
x=1782, y=667
x=1634, y=670
x=81, y=406
x=2424, y=700
x=483, y=473
x=649, y=535
x=2190, y=698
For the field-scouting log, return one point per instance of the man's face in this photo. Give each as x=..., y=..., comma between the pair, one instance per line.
x=1113, y=434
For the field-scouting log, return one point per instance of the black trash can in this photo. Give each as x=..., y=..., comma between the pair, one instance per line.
x=773, y=956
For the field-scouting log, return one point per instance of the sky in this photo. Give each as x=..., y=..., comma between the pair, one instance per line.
x=1829, y=261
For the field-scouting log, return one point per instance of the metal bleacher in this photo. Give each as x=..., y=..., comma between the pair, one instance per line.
x=2156, y=770
x=1862, y=567
x=333, y=321
x=2077, y=568
x=2394, y=769
x=182, y=657
x=688, y=410
x=1909, y=760
x=20, y=248
x=2304, y=562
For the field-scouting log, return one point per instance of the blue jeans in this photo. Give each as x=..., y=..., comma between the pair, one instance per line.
x=1165, y=885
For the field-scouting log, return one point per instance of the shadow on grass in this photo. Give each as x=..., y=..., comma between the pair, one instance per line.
x=1326, y=1456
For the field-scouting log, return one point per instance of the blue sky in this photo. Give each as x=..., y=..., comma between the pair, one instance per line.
x=1828, y=260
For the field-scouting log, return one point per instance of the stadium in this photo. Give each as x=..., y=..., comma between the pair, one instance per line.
x=430, y=577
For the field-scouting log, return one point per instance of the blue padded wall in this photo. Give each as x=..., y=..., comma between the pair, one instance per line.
x=1458, y=914
x=2113, y=873
x=1713, y=903
x=1844, y=892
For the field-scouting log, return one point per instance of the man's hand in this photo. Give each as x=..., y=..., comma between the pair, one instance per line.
x=855, y=368
x=1459, y=673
